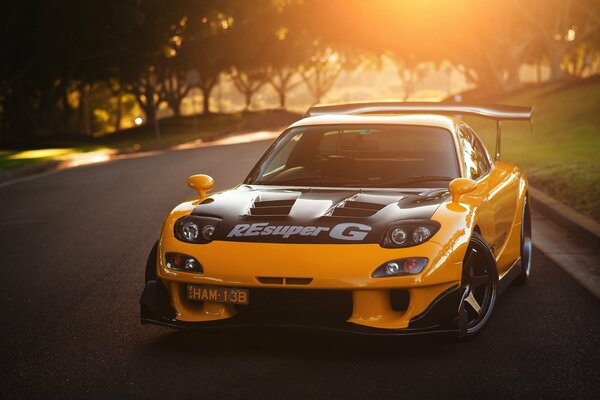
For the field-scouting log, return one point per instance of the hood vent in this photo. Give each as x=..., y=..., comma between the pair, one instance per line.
x=271, y=208
x=350, y=207
x=356, y=209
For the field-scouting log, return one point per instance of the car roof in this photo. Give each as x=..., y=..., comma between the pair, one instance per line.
x=405, y=119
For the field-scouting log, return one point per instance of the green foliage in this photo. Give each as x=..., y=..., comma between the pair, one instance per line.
x=149, y=49
x=561, y=156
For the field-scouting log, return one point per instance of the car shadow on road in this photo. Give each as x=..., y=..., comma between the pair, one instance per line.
x=295, y=342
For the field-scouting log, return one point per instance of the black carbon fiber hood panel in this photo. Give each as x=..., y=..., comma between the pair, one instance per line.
x=275, y=214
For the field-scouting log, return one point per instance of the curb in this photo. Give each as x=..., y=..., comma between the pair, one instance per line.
x=578, y=225
x=15, y=173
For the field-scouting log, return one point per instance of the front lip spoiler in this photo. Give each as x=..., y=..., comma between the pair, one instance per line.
x=345, y=327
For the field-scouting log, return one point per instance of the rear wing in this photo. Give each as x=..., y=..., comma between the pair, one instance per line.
x=492, y=111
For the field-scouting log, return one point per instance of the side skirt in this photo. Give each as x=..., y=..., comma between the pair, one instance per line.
x=510, y=275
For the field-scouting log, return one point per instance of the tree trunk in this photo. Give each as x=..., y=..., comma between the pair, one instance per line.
x=206, y=99
x=85, y=111
x=248, y=100
x=281, y=94
x=513, y=80
x=150, y=112
x=554, y=60
x=118, y=113
x=175, y=105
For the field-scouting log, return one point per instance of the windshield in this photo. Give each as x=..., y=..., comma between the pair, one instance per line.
x=384, y=156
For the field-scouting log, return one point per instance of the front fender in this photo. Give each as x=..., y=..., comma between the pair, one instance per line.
x=457, y=221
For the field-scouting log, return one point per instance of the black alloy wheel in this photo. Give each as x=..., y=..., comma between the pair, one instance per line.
x=480, y=283
x=526, y=243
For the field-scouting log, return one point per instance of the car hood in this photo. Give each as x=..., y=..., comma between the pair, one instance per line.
x=275, y=214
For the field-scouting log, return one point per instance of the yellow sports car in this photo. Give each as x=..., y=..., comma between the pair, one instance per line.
x=374, y=218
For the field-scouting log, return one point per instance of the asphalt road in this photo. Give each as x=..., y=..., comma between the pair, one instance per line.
x=73, y=250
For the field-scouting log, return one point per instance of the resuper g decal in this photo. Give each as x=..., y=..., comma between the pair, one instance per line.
x=343, y=231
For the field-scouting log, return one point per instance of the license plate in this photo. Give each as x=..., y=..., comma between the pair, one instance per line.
x=218, y=294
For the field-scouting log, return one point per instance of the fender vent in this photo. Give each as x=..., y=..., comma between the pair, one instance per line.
x=272, y=208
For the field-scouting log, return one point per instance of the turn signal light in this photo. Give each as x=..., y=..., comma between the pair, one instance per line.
x=403, y=266
x=183, y=262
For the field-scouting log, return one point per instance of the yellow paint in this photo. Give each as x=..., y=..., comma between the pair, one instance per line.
x=492, y=205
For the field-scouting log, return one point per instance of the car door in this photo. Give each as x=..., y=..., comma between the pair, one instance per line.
x=499, y=186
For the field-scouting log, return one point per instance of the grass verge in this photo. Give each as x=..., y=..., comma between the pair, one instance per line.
x=562, y=154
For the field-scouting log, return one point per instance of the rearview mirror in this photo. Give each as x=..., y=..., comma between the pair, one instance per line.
x=460, y=186
x=201, y=183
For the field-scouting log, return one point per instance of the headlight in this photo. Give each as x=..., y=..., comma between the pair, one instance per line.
x=409, y=233
x=403, y=266
x=190, y=231
x=208, y=231
x=421, y=234
x=398, y=236
x=196, y=229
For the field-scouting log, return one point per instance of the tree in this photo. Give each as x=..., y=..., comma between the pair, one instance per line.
x=561, y=26
x=248, y=82
x=320, y=72
x=207, y=50
x=282, y=80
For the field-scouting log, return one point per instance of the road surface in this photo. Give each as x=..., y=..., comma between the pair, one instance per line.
x=73, y=249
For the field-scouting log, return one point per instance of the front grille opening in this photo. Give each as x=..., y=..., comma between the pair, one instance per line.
x=270, y=280
x=399, y=299
x=298, y=281
x=305, y=306
x=275, y=280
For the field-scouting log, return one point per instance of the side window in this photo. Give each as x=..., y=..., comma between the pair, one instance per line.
x=476, y=162
x=481, y=154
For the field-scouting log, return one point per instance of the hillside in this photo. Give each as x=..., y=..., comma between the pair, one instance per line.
x=562, y=154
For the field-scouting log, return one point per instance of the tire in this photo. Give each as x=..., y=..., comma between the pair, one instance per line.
x=151, y=264
x=480, y=281
x=526, y=243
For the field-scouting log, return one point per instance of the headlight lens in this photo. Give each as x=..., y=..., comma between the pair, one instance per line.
x=208, y=231
x=196, y=229
x=403, y=266
x=190, y=231
x=421, y=234
x=409, y=233
x=398, y=236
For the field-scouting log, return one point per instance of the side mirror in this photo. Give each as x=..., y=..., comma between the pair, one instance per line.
x=201, y=183
x=460, y=186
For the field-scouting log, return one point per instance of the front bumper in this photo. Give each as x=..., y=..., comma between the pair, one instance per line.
x=439, y=317
x=333, y=268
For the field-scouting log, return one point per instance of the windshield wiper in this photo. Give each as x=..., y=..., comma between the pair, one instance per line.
x=321, y=181
x=416, y=179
